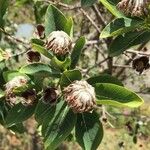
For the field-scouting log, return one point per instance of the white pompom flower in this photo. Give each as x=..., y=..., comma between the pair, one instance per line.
x=136, y=8
x=59, y=42
x=80, y=96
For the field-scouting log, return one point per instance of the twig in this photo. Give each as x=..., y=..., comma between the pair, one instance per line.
x=98, y=64
x=131, y=115
x=137, y=52
x=13, y=37
x=102, y=53
x=121, y=66
x=99, y=16
x=93, y=42
x=68, y=7
x=130, y=60
x=90, y=19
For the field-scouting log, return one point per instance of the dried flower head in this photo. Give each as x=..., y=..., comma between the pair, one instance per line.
x=140, y=64
x=136, y=8
x=14, y=83
x=58, y=42
x=40, y=31
x=80, y=96
x=29, y=97
x=49, y=96
x=33, y=56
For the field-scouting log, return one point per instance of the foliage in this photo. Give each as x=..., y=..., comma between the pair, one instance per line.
x=58, y=121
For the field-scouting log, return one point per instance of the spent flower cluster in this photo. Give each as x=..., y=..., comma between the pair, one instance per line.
x=141, y=63
x=59, y=42
x=80, y=96
x=136, y=8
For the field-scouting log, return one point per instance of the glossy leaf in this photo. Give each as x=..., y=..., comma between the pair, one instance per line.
x=123, y=42
x=9, y=75
x=68, y=28
x=87, y=3
x=19, y=128
x=42, y=50
x=18, y=114
x=104, y=78
x=39, y=10
x=3, y=9
x=43, y=111
x=69, y=76
x=120, y=26
x=58, y=108
x=39, y=69
x=54, y=20
x=112, y=8
x=2, y=93
x=60, y=65
x=88, y=131
x=4, y=108
x=38, y=42
x=58, y=127
x=111, y=94
x=75, y=55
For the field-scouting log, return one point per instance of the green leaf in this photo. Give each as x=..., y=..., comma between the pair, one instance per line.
x=87, y=3
x=4, y=108
x=39, y=10
x=38, y=69
x=9, y=75
x=68, y=28
x=60, y=65
x=2, y=93
x=58, y=127
x=104, y=78
x=88, y=131
x=54, y=20
x=58, y=108
x=43, y=111
x=123, y=42
x=19, y=128
x=69, y=76
x=42, y=50
x=18, y=114
x=75, y=55
x=37, y=41
x=111, y=94
x=112, y=8
x=23, y=88
x=120, y=26
x=3, y=9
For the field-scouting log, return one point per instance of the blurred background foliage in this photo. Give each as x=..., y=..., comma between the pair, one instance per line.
x=124, y=128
